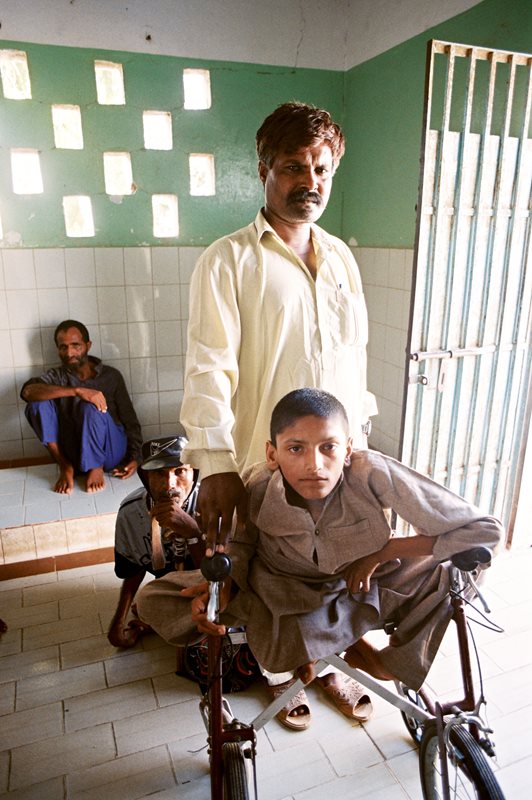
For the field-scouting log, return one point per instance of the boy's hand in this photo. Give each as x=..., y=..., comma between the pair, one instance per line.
x=358, y=574
x=200, y=595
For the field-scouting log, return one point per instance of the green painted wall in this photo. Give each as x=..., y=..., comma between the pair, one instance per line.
x=383, y=121
x=380, y=103
x=243, y=94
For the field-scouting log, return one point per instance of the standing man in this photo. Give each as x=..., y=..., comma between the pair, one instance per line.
x=276, y=306
x=82, y=413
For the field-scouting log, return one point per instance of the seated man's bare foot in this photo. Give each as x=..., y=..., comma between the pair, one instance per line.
x=364, y=656
x=95, y=480
x=306, y=672
x=65, y=482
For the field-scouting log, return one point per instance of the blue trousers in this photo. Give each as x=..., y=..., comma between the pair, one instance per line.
x=88, y=438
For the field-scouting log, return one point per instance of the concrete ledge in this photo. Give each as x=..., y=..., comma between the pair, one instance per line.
x=37, y=566
x=54, y=539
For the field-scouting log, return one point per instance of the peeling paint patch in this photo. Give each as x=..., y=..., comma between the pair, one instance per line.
x=13, y=238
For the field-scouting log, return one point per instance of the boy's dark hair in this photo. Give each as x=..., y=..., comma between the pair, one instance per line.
x=72, y=323
x=305, y=403
x=294, y=125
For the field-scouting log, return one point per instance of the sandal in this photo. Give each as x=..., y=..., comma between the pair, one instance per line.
x=299, y=722
x=350, y=699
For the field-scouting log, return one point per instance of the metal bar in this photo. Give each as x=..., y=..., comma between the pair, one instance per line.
x=464, y=157
x=482, y=177
x=427, y=107
x=481, y=53
x=508, y=444
x=493, y=228
x=459, y=352
x=437, y=220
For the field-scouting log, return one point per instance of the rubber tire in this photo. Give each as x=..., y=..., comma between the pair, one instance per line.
x=474, y=773
x=235, y=773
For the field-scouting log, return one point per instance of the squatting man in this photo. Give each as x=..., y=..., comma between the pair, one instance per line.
x=169, y=497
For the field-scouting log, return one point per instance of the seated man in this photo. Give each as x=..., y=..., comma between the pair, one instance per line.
x=169, y=498
x=318, y=566
x=82, y=413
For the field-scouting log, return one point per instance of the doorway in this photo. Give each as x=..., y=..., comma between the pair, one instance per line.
x=466, y=410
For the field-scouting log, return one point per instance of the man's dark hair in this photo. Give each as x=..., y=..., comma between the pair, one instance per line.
x=295, y=125
x=72, y=323
x=305, y=403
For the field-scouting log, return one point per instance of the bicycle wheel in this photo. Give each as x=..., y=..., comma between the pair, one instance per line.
x=235, y=773
x=470, y=774
x=413, y=725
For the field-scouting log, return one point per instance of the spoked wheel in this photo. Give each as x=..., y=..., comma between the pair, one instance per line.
x=235, y=772
x=413, y=725
x=470, y=774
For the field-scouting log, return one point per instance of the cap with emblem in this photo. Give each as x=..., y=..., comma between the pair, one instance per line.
x=163, y=452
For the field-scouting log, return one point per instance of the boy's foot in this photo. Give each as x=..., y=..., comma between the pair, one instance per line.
x=349, y=696
x=364, y=656
x=95, y=481
x=65, y=482
x=307, y=672
x=296, y=713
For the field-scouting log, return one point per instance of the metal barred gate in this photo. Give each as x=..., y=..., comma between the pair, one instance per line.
x=466, y=409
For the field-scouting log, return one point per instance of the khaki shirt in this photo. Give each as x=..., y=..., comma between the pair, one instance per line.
x=259, y=327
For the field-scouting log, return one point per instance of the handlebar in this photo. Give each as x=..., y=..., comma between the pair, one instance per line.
x=215, y=569
x=469, y=560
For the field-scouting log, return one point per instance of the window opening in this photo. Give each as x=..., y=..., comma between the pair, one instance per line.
x=77, y=211
x=165, y=215
x=197, y=88
x=68, y=133
x=109, y=83
x=202, y=177
x=26, y=171
x=15, y=75
x=118, y=173
x=157, y=130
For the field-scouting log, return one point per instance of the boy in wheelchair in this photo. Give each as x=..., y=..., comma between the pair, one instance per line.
x=318, y=565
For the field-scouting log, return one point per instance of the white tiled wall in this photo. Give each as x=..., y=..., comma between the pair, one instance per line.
x=386, y=276
x=134, y=302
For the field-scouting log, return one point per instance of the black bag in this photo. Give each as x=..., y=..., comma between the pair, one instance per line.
x=239, y=666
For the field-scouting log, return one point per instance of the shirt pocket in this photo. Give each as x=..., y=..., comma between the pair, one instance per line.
x=347, y=543
x=348, y=318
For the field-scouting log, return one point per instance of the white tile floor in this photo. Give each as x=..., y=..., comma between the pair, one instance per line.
x=83, y=720
x=27, y=497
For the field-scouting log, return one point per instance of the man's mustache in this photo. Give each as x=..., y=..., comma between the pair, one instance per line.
x=303, y=194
